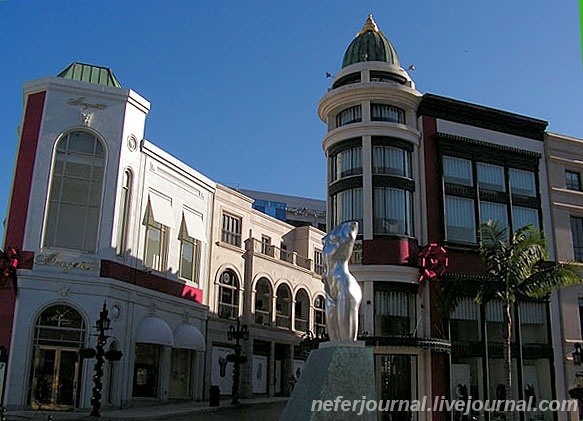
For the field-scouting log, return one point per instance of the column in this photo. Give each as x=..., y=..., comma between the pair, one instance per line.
x=271, y=372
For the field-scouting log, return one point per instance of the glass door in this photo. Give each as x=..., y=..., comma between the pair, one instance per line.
x=55, y=378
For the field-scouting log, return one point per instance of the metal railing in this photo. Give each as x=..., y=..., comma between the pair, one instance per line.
x=301, y=325
x=283, y=321
x=257, y=246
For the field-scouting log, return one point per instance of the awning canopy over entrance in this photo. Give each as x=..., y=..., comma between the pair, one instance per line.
x=153, y=330
x=189, y=337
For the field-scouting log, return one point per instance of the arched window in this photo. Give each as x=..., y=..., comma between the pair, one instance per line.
x=124, y=211
x=75, y=193
x=263, y=302
x=302, y=311
x=283, y=307
x=228, y=295
x=320, y=315
x=59, y=333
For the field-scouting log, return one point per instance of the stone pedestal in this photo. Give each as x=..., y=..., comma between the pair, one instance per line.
x=335, y=374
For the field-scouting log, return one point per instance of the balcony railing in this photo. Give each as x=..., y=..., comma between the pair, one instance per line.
x=356, y=258
x=256, y=246
x=263, y=317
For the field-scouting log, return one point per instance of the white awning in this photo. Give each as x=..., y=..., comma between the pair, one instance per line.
x=161, y=210
x=153, y=330
x=189, y=337
x=194, y=226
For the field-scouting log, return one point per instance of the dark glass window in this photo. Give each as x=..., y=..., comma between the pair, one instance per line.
x=573, y=180
x=384, y=112
x=349, y=115
x=577, y=232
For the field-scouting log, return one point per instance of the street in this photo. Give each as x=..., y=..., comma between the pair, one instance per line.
x=265, y=412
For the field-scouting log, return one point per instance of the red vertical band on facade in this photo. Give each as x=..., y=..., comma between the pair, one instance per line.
x=439, y=361
x=17, y=213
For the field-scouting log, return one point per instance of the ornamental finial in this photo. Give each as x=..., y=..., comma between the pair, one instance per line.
x=369, y=25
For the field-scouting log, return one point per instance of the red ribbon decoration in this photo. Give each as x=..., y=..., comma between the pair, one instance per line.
x=8, y=264
x=433, y=263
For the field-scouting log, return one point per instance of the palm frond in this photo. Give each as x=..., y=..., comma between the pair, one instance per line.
x=543, y=281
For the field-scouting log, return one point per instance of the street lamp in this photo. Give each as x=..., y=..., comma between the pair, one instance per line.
x=236, y=334
x=577, y=354
x=102, y=325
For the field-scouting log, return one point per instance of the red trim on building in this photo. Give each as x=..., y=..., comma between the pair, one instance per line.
x=143, y=279
x=18, y=211
x=390, y=251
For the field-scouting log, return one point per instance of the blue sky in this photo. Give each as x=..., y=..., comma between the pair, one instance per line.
x=234, y=85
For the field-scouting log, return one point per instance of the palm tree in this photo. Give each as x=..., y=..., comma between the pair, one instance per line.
x=516, y=267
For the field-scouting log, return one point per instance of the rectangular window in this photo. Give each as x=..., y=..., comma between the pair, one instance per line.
x=491, y=177
x=189, y=256
x=349, y=115
x=347, y=206
x=394, y=313
x=266, y=245
x=573, y=180
x=384, y=112
x=490, y=211
x=577, y=232
x=457, y=171
x=231, y=232
x=346, y=163
x=318, y=262
x=522, y=182
x=156, y=244
x=392, y=211
x=460, y=221
x=390, y=160
x=522, y=216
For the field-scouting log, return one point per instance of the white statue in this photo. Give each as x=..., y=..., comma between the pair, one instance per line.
x=343, y=294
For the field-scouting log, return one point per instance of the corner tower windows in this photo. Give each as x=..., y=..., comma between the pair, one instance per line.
x=75, y=193
x=349, y=115
x=384, y=112
x=346, y=161
x=392, y=186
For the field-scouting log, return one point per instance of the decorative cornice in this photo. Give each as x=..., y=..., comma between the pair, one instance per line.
x=480, y=116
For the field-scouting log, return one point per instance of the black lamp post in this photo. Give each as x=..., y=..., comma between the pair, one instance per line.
x=102, y=325
x=236, y=334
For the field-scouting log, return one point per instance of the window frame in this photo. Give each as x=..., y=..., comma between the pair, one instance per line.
x=152, y=225
x=185, y=239
x=577, y=237
x=349, y=115
x=388, y=109
x=61, y=159
x=570, y=184
x=124, y=212
x=232, y=228
x=235, y=304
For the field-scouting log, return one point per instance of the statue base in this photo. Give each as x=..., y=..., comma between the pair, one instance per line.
x=334, y=382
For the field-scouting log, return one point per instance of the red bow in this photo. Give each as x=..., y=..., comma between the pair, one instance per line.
x=433, y=263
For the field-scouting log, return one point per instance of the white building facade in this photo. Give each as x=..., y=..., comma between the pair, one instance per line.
x=102, y=215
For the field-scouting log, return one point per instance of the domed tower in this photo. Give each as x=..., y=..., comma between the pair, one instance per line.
x=375, y=168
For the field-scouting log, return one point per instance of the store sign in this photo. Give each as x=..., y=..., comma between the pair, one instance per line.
x=84, y=104
x=54, y=259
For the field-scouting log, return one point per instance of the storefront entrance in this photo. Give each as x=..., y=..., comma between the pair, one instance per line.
x=396, y=377
x=55, y=380
x=56, y=369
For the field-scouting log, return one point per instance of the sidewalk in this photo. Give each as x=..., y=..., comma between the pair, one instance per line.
x=164, y=411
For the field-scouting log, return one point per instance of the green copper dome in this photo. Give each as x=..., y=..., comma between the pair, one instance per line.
x=370, y=44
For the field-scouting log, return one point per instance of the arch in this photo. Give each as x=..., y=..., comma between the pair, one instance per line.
x=263, y=301
x=125, y=201
x=258, y=277
x=75, y=193
x=229, y=294
x=320, y=315
x=283, y=306
x=59, y=331
x=302, y=310
x=224, y=268
x=285, y=282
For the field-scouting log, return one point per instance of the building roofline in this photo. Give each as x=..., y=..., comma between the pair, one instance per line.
x=481, y=116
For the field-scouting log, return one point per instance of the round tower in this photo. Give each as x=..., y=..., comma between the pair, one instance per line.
x=375, y=173
x=372, y=147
